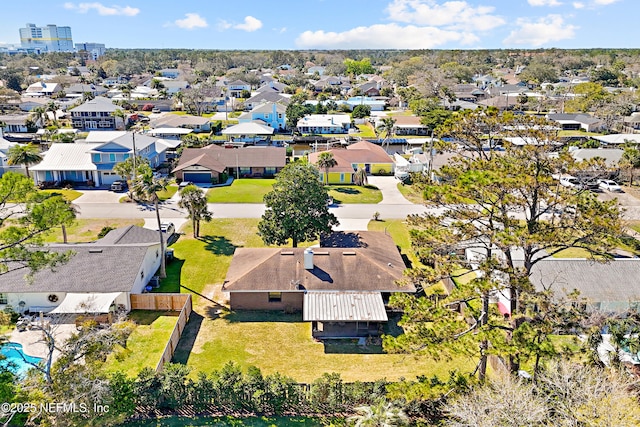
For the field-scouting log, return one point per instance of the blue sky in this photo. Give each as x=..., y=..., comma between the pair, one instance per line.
x=334, y=24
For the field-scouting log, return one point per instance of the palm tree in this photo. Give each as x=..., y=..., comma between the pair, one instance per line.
x=192, y=199
x=24, y=155
x=360, y=177
x=119, y=114
x=146, y=188
x=326, y=161
x=40, y=115
x=630, y=160
x=52, y=108
x=388, y=126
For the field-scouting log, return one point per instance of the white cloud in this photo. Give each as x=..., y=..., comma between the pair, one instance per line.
x=453, y=14
x=384, y=36
x=280, y=30
x=191, y=21
x=605, y=2
x=537, y=33
x=250, y=24
x=102, y=9
x=578, y=5
x=544, y=3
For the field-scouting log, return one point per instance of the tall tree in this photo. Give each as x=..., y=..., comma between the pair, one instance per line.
x=326, y=161
x=146, y=187
x=24, y=155
x=296, y=208
x=630, y=160
x=193, y=199
x=127, y=170
x=502, y=207
x=388, y=127
x=26, y=215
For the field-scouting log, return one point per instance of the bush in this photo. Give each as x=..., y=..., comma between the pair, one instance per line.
x=104, y=231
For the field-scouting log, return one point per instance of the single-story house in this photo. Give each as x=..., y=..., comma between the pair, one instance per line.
x=187, y=121
x=618, y=138
x=17, y=123
x=42, y=89
x=79, y=89
x=324, y=123
x=577, y=122
x=612, y=286
x=611, y=156
x=340, y=287
x=366, y=155
x=205, y=165
x=99, y=277
x=254, y=132
x=410, y=125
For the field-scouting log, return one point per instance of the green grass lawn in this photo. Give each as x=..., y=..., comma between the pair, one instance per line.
x=146, y=344
x=366, y=131
x=243, y=190
x=168, y=192
x=354, y=194
x=275, y=342
x=411, y=193
x=86, y=230
x=69, y=195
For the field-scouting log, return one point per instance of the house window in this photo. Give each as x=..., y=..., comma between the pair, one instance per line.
x=341, y=177
x=275, y=296
x=112, y=157
x=269, y=171
x=245, y=171
x=3, y=299
x=96, y=158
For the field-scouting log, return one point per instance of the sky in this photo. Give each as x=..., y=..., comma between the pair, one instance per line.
x=334, y=24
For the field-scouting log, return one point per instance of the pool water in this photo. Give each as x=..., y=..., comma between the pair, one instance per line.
x=16, y=360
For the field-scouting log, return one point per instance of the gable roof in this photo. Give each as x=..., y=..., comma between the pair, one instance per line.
x=268, y=108
x=360, y=152
x=580, y=118
x=176, y=121
x=373, y=265
x=97, y=104
x=67, y=157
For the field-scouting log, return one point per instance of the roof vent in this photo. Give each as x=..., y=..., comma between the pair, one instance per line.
x=286, y=253
x=95, y=251
x=349, y=253
x=308, y=259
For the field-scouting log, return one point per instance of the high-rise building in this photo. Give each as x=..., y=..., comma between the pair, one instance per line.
x=94, y=50
x=46, y=39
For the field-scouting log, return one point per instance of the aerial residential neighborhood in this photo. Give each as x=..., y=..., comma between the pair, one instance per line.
x=348, y=231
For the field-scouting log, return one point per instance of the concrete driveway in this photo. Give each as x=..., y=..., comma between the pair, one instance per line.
x=99, y=196
x=388, y=185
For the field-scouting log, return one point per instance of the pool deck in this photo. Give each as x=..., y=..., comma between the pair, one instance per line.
x=33, y=343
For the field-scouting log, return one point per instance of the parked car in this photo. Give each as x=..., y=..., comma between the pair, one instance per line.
x=119, y=186
x=609, y=185
x=168, y=228
x=569, y=181
x=155, y=110
x=184, y=184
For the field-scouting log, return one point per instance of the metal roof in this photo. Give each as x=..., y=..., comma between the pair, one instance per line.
x=344, y=307
x=67, y=157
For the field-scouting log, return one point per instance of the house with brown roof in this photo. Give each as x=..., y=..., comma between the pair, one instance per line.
x=205, y=165
x=364, y=154
x=340, y=287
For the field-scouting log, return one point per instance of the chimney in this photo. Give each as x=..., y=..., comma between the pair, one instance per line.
x=308, y=259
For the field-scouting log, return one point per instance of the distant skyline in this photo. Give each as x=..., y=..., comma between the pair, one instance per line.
x=333, y=24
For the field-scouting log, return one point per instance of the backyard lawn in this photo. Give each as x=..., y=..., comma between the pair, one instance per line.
x=243, y=190
x=146, y=344
x=86, y=230
x=354, y=194
x=272, y=341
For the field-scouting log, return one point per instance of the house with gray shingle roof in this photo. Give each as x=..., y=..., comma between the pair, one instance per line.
x=612, y=286
x=96, y=114
x=577, y=121
x=120, y=264
x=340, y=287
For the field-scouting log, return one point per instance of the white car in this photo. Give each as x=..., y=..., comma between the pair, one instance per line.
x=609, y=185
x=168, y=228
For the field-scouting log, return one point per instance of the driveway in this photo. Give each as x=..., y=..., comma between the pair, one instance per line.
x=388, y=185
x=99, y=196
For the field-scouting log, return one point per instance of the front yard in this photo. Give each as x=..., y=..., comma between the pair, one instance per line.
x=246, y=190
x=86, y=230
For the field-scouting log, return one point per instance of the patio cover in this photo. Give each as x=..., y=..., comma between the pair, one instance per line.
x=86, y=303
x=329, y=306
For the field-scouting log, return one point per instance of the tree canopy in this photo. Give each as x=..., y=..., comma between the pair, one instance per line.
x=296, y=208
x=508, y=209
x=193, y=199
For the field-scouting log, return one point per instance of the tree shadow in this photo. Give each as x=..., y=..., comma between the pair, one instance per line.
x=263, y=316
x=353, y=346
x=345, y=190
x=218, y=245
x=188, y=338
x=391, y=327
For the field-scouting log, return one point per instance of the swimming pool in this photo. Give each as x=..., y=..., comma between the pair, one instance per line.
x=16, y=360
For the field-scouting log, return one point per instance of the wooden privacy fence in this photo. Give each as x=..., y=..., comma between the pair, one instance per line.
x=166, y=302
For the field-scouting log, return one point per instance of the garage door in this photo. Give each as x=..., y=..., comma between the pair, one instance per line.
x=200, y=177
